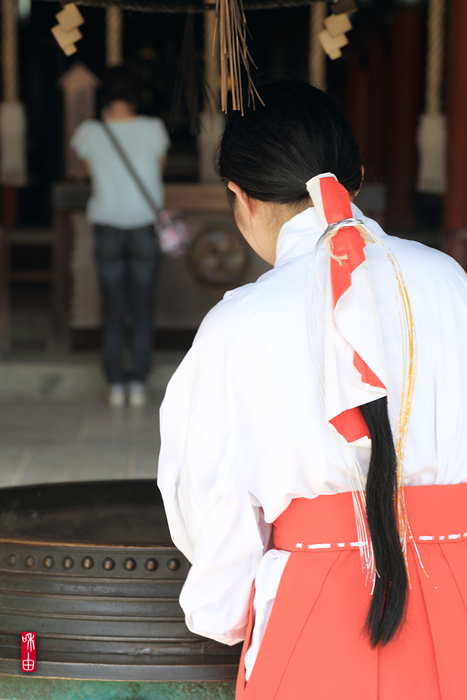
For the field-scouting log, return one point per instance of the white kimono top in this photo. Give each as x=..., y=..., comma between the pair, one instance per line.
x=243, y=427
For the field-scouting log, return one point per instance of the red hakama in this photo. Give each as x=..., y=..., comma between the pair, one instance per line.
x=314, y=645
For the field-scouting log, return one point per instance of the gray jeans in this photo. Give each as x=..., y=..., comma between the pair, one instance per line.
x=127, y=263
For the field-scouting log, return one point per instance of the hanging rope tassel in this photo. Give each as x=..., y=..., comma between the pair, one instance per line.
x=235, y=55
x=432, y=128
x=190, y=84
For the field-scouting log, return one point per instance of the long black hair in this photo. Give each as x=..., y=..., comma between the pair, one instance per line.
x=271, y=152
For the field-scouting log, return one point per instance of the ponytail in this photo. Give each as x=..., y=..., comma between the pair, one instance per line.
x=389, y=598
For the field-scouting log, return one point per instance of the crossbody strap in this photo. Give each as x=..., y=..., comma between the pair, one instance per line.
x=129, y=166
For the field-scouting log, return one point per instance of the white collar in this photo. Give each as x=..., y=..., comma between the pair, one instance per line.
x=300, y=234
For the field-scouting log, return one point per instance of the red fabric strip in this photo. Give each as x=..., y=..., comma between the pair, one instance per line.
x=368, y=376
x=336, y=201
x=347, y=241
x=351, y=425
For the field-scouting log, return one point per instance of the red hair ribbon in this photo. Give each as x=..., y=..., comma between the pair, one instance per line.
x=355, y=368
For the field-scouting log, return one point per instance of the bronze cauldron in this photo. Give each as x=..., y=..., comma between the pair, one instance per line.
x=89, y=567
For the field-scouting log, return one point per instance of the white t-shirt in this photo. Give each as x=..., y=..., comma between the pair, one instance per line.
x=116, y=199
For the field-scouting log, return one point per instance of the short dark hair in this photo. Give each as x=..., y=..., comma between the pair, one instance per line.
x=272, y=151
x=121, y=83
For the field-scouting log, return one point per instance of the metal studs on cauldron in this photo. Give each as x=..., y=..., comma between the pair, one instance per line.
x=48, y=562
x=129, y=564
x=173, y=564
x=151, y=564
x=12, y=559
x=87, y=563
x=68, y=563
x=30, y=561
x=108, y=564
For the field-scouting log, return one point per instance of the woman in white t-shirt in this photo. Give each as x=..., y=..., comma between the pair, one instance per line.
x=125, y=245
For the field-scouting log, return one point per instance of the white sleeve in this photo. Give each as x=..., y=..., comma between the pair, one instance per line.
x=162, y=138
x=213, y=519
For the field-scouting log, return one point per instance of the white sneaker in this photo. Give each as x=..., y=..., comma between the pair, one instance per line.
x=137, y=396
x=117, y=396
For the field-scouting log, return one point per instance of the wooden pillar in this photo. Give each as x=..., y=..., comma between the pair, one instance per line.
x=212, y=70
x=405, y=79
x=356, y=98
x=365, y=100
x=10, y=51
x=12, y=117
x=9, y=205
x=455, y=205
x=377, y=109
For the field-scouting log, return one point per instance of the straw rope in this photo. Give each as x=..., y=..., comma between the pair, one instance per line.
x=167, y=6
x=114, y=36
x=235, y=55
x=435, y=57
x=10, y=51
x=316, y=56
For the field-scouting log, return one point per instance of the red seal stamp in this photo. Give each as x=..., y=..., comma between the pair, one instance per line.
x=28, y=651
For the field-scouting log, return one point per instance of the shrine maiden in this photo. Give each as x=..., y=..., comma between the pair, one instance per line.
x=314, y=453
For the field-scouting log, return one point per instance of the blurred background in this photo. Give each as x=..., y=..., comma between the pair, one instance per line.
x=402, y=81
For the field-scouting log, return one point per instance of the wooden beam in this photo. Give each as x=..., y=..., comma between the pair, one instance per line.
x=192, y=198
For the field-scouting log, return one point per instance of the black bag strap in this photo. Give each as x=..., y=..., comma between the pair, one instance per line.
x=129, y=166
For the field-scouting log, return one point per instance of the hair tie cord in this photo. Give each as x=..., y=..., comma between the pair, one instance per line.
x=332, y=230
